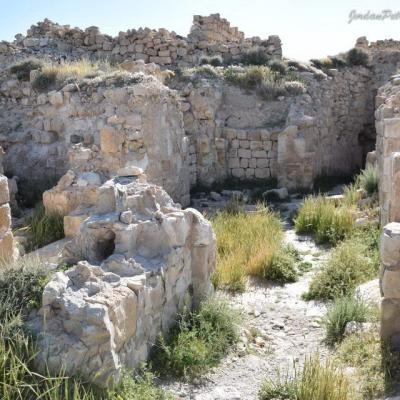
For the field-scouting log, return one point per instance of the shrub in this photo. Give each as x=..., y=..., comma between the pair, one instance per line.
x=327, y=221
x=24, y=68
x=357, y=57
x=278, y=66
x=342, y=311
x=216, y=61
x=199, y=340
x=316, y=380
x=294, y=88
x=329, y=62
x=246, y=245
x=349, y=265
x=369, y=179
x=266, y=82
x=282, y=268
x=44, y=227
x=45, y=80
x=255, y=57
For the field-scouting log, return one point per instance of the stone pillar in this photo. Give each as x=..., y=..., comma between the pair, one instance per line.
x=7, y=252
x=390, y=284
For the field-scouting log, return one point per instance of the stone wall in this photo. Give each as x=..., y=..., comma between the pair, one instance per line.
x=7, y=250
x=141, y=260
x=210, y=36
x=237, y=134
x=105, y=124
x=388, y=159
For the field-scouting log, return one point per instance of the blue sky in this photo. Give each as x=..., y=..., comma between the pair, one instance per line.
x=308, y=29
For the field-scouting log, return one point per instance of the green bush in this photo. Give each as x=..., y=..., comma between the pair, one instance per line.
x=369, y=179
x=357, y=57
x=199, y=340
x=329, y=222
x=255, y=57
x=216, y=61
x=282, y=268
x=45, y=80
x=316, y=380
x=278, y=66
x=294, y=88
x=23, y=69
x=45, y=227
x=350, y=264
x=342, y=311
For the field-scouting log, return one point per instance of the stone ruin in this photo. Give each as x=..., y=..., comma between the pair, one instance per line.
x=140, y=260
x=117, y=143
x=209, y=36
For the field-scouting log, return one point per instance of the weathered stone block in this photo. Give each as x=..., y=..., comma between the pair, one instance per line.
x=111, y=140
x=5, y=218
x=4, y=193
x=262, y=173
x=390, y=245
x=238, y=172
x=244, y=153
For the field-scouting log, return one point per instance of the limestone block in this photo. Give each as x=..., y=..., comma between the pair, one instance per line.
x=262, y=173
x=259, y=154
x=4, y=193
x=390, y=245
x=256, y=145
x=111, y=140
x=244, y=153
x=5, y=219
x=390, y=322
x=72, y=224
x=238, y=172
x=7, y=250
x=56, y=98
x=262, y=162
x=233, y=162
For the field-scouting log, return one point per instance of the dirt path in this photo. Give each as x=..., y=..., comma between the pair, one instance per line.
x=281, y=329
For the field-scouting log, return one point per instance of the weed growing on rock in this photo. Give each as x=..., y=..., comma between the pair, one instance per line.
x=357, y=57
x=199, y=341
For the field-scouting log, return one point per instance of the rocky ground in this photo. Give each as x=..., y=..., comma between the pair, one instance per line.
x=280, y=329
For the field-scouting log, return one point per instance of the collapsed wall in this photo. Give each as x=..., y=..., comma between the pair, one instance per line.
x=105, y=124
x=140, y=260
x=209, y=36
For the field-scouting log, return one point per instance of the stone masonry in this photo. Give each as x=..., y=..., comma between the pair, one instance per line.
x=7, y=249
x=210, y=36
x=141, y=260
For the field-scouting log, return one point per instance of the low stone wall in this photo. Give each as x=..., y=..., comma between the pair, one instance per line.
x=7, y=250
x=210, y=36
x=141, y=260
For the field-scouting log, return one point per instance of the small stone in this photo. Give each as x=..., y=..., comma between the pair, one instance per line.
x=126, y=217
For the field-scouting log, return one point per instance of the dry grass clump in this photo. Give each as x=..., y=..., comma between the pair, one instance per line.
x=327, y=221
x=54, y=74
x=250, y=244
x=316, y=380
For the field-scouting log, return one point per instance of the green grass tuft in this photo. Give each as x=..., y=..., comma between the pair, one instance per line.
x=44, y=227
x=199, y=340
x=342, y=311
